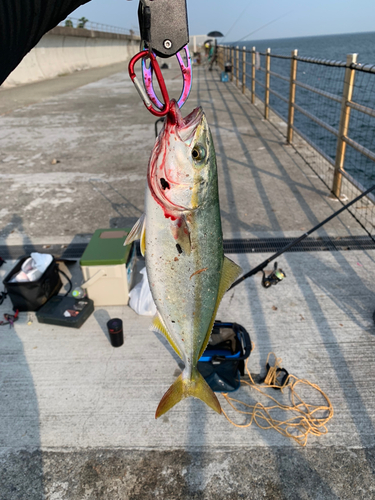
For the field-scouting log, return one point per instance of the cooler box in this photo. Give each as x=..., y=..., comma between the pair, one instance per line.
x=224, y=77
x=107, y=267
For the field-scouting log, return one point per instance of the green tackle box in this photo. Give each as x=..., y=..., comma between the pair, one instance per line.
x=107, y=267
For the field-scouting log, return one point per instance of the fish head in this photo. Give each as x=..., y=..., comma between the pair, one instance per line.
x=183, y=162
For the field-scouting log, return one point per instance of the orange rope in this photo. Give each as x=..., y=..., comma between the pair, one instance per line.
x=303, y=420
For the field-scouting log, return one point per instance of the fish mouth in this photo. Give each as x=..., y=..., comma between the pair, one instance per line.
x=185, y=127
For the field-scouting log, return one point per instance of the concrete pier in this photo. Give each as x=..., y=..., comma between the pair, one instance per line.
x=76, y=415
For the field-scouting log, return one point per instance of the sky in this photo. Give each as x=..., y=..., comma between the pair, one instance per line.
x=238, y=18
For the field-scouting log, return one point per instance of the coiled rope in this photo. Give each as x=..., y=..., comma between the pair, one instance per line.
x=306, y=418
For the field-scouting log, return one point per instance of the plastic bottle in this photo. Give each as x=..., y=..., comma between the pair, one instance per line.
x=79, y=293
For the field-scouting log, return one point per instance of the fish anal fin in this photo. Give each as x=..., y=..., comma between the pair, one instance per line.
x=138, y=232
x=229, y=273
x=158, y=325
x=183, y=388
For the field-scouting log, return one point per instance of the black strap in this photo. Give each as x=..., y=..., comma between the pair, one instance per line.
x=69, y=281
x=246, y=341
x=3, y=296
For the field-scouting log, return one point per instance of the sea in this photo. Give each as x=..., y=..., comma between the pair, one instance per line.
x=332, y=48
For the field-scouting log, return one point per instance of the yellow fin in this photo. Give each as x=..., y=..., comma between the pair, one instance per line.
x=229, y=273
x=143, y=239
x=183, y=388
x=158, y=325
x=138, y=232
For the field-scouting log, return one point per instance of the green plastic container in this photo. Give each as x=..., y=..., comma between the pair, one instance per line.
x=107, y=267
x=106, y=248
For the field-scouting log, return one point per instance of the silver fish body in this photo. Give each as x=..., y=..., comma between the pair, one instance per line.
x=186, y=267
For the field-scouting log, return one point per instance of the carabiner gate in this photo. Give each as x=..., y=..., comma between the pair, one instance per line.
x=154, y=66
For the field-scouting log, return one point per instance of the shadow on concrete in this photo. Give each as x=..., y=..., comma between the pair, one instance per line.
x=284, y=175
x=347, y=303
x=15, y=225
x=102, y=317
x=128, y=213
x=261, y=331
x=21, y=464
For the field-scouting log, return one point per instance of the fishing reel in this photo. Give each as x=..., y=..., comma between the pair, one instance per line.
x=274, y=278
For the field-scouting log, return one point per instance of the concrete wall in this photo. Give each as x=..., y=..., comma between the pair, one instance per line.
x=64, y=50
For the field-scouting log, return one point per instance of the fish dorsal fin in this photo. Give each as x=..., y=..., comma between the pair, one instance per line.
x=158, y=325
x=229, y=273
x=138, y=232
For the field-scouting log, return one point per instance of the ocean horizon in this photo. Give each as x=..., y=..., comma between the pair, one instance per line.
x=332, y=47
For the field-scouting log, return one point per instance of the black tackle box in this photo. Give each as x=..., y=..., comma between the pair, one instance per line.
x=66, y=311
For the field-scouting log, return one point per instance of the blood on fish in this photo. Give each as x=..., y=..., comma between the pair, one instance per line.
x=199, y=271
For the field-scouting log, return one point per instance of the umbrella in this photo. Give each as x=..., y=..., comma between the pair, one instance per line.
x=215, y=34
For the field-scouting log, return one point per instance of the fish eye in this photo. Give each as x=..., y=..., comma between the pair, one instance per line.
x=198, y=152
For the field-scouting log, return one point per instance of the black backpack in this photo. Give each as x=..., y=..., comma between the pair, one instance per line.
x=223, y=361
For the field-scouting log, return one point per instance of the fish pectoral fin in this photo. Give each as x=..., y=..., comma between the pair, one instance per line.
x=138, y=232
x=229, y=273
x=159, y=326
x=181, y=234
x=182, y=388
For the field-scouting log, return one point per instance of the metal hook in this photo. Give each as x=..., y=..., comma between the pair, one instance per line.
x=186, y=74
x=154, y=66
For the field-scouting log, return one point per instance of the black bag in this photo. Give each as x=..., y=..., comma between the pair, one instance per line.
x=31, y=295
x=223, y=361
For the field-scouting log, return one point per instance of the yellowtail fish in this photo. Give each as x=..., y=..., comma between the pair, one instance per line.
x=182, y=240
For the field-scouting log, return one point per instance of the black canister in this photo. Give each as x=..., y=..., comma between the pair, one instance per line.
x=116, y=334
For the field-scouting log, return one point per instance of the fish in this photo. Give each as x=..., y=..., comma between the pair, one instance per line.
x=181, y=237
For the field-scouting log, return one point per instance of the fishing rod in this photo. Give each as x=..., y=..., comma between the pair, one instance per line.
x=296, y=241
x=236, y=21
x=264, y=26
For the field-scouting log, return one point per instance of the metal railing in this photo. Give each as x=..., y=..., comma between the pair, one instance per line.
x=250, y=82
x=72, y=22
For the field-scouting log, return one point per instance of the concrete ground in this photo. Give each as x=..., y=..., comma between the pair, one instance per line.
x=76, y=415
x=76, y=160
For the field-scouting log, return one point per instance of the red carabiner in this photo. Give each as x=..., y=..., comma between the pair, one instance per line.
x=141, y=91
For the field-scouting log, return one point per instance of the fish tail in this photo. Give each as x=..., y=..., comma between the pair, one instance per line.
x=185, y=387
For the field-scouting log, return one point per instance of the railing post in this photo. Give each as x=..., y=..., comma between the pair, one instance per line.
x=237, y=65
x=292, y=95
x=219, y=57
x=232, y=63
x=253, y=55
x=344, y=123
x=267, y=84
x=243, y=70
